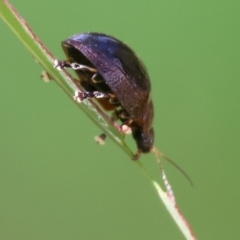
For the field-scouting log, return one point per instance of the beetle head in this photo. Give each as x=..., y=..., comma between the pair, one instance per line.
x=144, y=141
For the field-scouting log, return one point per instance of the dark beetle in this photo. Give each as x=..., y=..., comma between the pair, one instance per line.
x=110, y=71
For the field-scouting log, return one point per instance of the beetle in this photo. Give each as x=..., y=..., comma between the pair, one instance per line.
x=110, y=71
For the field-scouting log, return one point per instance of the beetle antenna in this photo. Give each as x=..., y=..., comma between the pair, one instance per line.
x=168, y=186
x=159, y=154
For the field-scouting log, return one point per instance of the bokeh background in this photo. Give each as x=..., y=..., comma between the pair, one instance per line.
x=56, y=183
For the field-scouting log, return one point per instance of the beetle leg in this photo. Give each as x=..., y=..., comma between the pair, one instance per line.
x=59, y=65
x=124, y=116
x=80, y=96
x=126, y=129
x=77, y=66
x=113, y=100
x=126, y=126
x=96, y=80
x=137, y=155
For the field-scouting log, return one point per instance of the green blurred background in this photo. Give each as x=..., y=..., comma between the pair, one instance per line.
x=56, y=183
